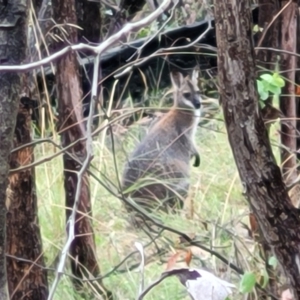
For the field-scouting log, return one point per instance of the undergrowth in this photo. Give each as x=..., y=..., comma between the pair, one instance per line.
x=213, y=214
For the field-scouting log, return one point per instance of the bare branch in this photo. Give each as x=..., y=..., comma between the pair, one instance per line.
x=142, y=61
x=80, y=175
x=140, y=248
x=128, y=28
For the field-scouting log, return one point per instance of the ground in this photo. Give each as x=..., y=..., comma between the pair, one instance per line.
x=213, y=215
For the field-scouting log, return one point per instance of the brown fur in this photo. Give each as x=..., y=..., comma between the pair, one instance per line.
x=157, y=173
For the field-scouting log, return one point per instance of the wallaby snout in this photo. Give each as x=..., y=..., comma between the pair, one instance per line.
x=197, y=103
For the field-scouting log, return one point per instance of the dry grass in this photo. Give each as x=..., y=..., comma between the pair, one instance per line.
x=212, y=216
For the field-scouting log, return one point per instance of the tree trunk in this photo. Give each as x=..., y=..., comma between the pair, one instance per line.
x=260, y=176
x=288, y=100
x=83, y=249
x=298, y=94
x=25, y=279
x=13, y=29
x=89, y=19
x=269, y=38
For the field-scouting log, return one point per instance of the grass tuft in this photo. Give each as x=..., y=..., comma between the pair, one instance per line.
x=212, y=214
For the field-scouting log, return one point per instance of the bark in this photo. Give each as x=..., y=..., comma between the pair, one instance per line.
x=83, y=249
x=25, y=279
x=40, y=39
x=267, y=10
x=37, y=4
x=298, y=90
x=260, y=176
x=288, y=101
x=13, y=28
x=89, y=19
x=269, y=38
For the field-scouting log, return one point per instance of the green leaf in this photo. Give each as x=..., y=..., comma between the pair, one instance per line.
x=266, y=278
x=262, y=104
x=278, y=81
x=256, y=28
x=274, y=89
x=273, y=261
x=267, y=77
x=265, y=85
x=274, y=79
x=247, y=282
x=264, y=96
x=262, y=91
x=269, y=83
x=260, y=86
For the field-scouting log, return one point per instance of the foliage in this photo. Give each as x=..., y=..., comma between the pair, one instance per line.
x=269, y=84
x=247, y=282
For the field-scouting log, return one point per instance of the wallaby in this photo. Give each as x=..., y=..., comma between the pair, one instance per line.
x=158, y=171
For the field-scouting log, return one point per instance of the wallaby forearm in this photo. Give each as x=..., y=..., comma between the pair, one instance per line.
x=197, y=159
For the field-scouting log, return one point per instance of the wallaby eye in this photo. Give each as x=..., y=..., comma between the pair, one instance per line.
x=187, y=95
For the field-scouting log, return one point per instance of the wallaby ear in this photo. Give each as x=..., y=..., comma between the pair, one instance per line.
x=177, y=79
x=195, y=75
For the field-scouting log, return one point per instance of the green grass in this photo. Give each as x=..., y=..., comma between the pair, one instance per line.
x=213, y=217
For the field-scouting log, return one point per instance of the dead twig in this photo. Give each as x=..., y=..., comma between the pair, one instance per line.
x=129, y=27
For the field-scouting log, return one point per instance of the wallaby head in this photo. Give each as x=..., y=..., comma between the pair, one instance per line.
x=186, y=91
